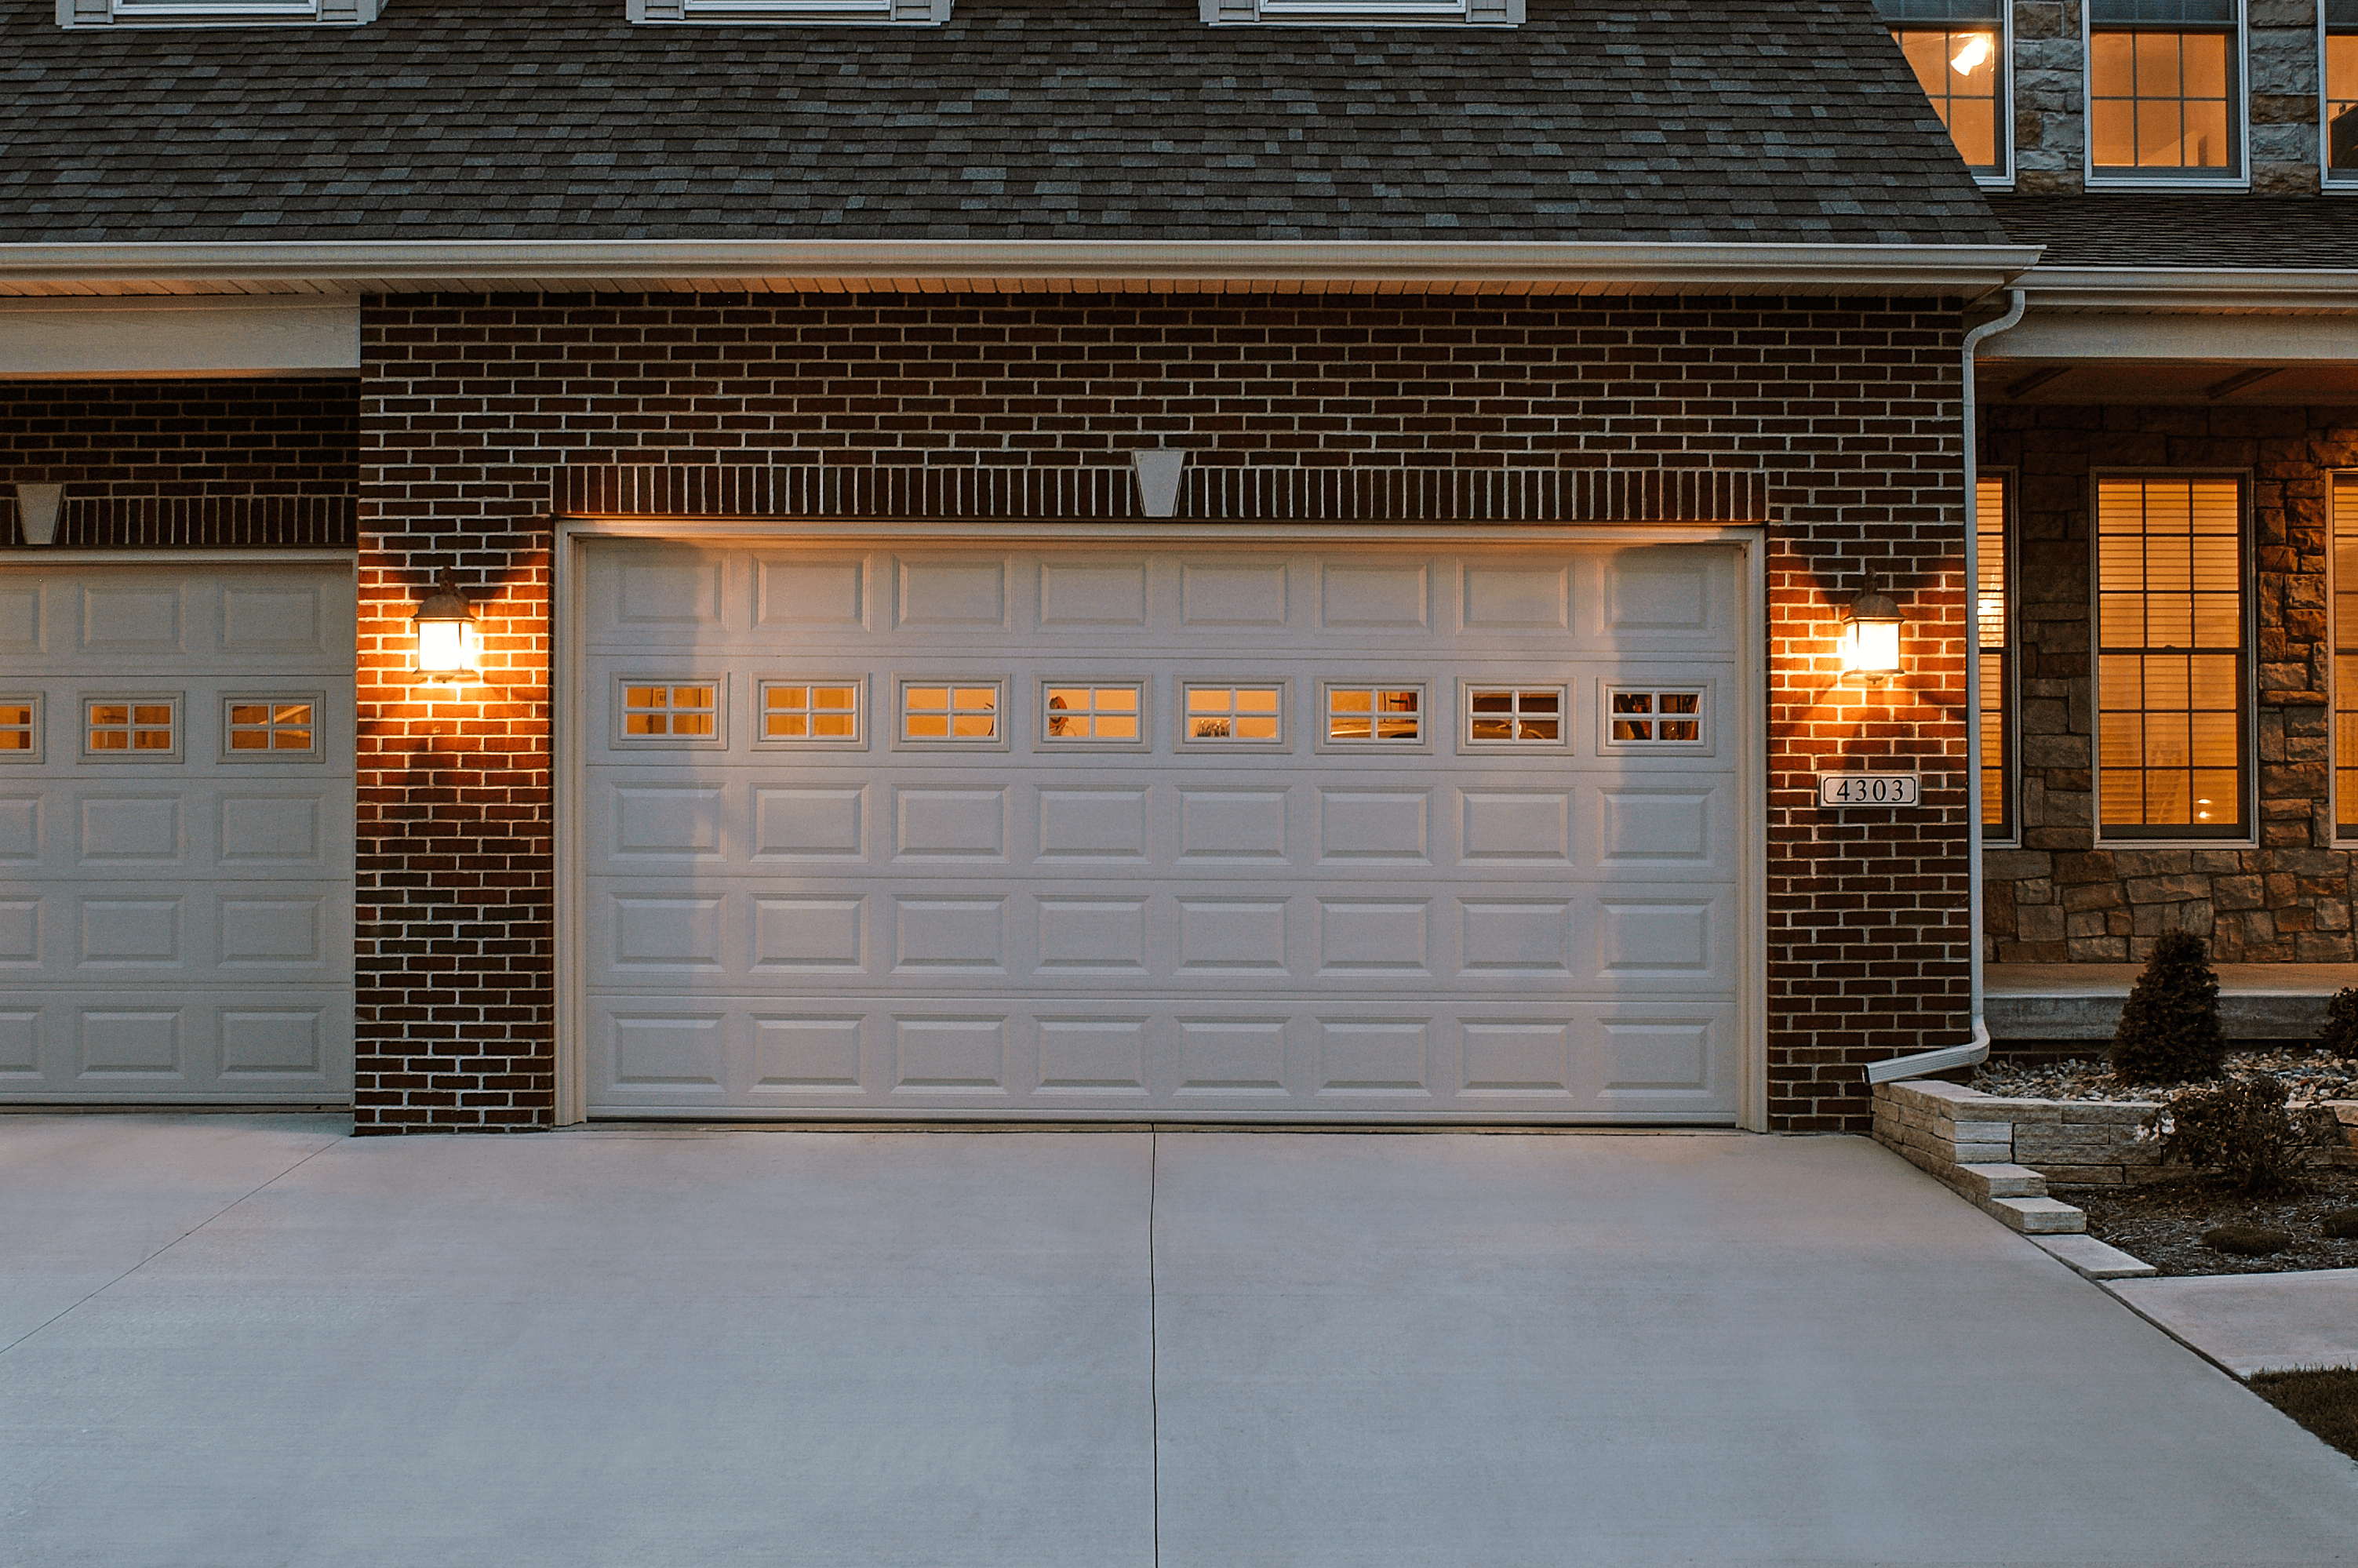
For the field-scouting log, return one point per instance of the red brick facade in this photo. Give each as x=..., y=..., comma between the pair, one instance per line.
x=473, y=407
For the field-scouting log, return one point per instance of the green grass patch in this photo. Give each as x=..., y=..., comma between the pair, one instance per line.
x=2324, y=1403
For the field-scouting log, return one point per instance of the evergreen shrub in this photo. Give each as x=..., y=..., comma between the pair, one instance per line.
x=2169, y=1031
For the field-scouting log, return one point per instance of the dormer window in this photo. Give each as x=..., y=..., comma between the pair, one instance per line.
x=215, y=13
x=1958, y=50
x=801, y=13
x=1356, y=13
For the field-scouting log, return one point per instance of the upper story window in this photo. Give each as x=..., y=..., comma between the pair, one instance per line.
x=2164, y=90
x=2341, y=90
x=804, y=13
x=214, y=13
x=1958, y=50
x=1354, y=13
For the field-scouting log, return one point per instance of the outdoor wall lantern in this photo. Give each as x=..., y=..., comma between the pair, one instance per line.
x=1871, y=635
x=447, y=646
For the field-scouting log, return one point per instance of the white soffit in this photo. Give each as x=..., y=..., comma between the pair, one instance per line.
x=214, y=335
x=886, y=266
x=2184, y=338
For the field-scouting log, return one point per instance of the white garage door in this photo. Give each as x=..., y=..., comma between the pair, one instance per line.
x=1227, y=833
x=175, y=833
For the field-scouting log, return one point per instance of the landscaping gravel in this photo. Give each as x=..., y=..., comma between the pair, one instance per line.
x=2307, y=1075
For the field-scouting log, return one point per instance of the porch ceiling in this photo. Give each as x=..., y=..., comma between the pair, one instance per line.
x=2250, y=382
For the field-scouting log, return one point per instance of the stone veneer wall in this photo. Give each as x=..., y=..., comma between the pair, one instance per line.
x=2050, y=97
x=2060, y=897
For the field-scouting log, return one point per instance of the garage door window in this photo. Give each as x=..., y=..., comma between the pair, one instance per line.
x=1514, y=716
x=280, y=729
x=961, y=713
x=1229, y=715
x=1103, y=714
x=669, y=713
x=1655, y=717
x=1375, y=715
x=811, y=712
x=20, y=729
x=131, y=728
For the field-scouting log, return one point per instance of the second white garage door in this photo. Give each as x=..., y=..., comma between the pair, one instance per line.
x=1215, y=833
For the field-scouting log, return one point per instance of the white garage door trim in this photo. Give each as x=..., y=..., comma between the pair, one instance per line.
x=580, y=722
x=188, y=937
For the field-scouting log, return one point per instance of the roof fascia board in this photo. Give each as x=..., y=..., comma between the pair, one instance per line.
x=2181, y=337
x=2262, y=290
x=366, y=266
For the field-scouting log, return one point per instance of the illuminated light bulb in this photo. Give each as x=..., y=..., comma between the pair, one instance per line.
x=1970, y=58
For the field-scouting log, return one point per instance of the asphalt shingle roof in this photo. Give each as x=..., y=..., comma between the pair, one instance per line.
x=1741, y=121
x=2128, y=229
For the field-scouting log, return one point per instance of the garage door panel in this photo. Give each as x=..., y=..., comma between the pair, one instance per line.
x=289, y=1045
x=1544, y=922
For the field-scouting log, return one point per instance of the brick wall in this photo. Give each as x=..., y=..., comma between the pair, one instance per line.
x=471, y=406
x=161, y=463
x=2059, y=897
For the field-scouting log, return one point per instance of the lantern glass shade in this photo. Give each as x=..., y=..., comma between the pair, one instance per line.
x=1871, y=637
x=447, y=649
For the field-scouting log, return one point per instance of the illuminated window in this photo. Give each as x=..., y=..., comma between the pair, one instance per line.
x=20, y=729
x=2161, y=87
x=1991, y=603
x=1512, y=715
x=1654, y=717
x=2169, y=659
x=1375, y=714
x=814, y=711
x=1091, y=713
x=2342, y=90
x=671, y=710
x=253, y=727
x=1235, y=713
x=142, y=728
x=969, y=713
x=1957, y=49
x=2345, y=654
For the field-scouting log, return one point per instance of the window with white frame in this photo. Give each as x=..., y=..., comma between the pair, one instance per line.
x=214, y=13
x=1356, y=13
x=1957, y=49
x=801, y=13
x=2164, y=90
x=2340, y=130
x=2173, y=757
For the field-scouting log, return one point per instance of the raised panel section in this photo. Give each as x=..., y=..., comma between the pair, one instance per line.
x=1509, y=596
x=1369, y=937
x=261, y=932
x=1232, y=935
x=1093, y=824
x=1233, y=595
x=806, y=594
x=1232, y=825
x=1093, y=1054
x=667, y=1050
x=668, y=590
x=962, y=934
x=808, y=934
x=1395, y=597
x=1659, y=592
x=952, y=1053
x=272, y=1041
x=20, y=1040
x=809, y=1052
x=127, y=618
x=937, y=593
x=1104, y=936
x=651, y=820
x=1527, y=825
x=966, y=824
x=270, y=829
x=1516, y=936
x=1516, y=1056
x=1656, y=828
x=22, y=630
x=1643, y=1056
x=20, y=828
x=130, y=931
x=1090, y=593
x=271, y=620
x=1228, y=1054
x=1647, y=937
x=1373, y=1055
x=143, y=828
x=1373, y=825
x=666, y=933
x=20, y=932
x=121, y=1041
x=813, y=822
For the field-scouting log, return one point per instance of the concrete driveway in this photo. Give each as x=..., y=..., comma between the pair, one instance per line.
x=252, y=1341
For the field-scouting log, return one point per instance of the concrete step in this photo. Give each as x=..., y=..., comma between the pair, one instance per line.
x=2091, y=1257
x=1984, y=1182
x=2038, y=1216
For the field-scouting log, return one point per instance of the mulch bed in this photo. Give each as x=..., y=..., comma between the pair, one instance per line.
x=2162, y=1224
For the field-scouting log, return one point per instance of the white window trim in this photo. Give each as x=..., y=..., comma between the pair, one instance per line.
x=1144, y=742
x=903, y=742
x=1468, y=746
x=764, y=741
x=1283, y=744
x=318, y=751
x=790, y=12
x=2239, y=95
x=1324, y=741
x=39, y=731
x=216, y=14
x=88, y=699
x=1365, y=14
x=2002, y=177
x=716, y=741
x=1706, y=716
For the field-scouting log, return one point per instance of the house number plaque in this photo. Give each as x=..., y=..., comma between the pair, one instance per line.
x=1867, y=789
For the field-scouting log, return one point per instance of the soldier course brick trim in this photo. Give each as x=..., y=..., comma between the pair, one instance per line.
x=477, y=410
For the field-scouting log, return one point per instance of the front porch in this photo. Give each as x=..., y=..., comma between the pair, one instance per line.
x=2071, y=1009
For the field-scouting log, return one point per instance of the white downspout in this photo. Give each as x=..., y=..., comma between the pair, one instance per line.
x=1977, y=1048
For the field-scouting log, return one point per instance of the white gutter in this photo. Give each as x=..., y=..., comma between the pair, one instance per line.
x=368, y=266
x=2265, y=290
x=1977, y=1048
